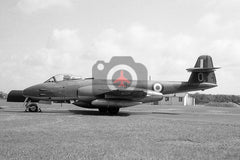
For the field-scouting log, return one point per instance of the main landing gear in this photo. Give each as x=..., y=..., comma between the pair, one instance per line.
x=31, y=107
x=110, y=110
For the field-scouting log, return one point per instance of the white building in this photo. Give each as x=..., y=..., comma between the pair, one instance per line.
x=177, y=99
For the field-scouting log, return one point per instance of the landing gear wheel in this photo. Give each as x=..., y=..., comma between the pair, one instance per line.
x=103, y=110
x=33, y=108
x=113, y=110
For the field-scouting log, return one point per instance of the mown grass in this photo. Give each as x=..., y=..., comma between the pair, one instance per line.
x=222, y=104
x=140, y=132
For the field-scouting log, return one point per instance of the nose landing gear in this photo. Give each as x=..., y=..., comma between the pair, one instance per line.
x=34, y=108
x=31, y=107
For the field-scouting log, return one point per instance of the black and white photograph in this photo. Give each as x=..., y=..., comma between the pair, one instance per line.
x=119, y=80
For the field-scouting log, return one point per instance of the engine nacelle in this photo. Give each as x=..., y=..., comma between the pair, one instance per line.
x=152, y=96
x=114, y=103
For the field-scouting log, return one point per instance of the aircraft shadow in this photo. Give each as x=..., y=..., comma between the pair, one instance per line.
x=44, y=111
x=168, y=113
x=12, y=111
x=148, y=113
x=91, y=112
x=97, y=113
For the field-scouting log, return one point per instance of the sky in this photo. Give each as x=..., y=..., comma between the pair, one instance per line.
x=40, y=38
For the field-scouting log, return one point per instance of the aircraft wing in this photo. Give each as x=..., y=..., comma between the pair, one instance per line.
x=105, y=92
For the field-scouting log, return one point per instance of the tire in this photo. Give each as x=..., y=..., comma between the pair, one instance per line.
x=103, y=110
x=113, y=110
x=33, y=108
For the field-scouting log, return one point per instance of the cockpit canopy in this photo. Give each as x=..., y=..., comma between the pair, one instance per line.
x=63, y=77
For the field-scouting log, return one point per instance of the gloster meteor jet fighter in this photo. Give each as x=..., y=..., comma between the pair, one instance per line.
x=95, y=93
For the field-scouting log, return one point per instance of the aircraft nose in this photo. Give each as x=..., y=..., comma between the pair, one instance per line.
x=31, y=91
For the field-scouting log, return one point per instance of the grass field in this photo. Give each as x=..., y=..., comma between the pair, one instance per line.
x=139, y=132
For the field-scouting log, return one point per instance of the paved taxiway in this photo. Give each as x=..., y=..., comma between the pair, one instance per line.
x=139, y=132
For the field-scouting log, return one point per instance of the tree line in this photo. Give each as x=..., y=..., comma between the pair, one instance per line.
x=206, y=98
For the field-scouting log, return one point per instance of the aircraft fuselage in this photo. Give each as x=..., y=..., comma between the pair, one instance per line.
x=80, y=89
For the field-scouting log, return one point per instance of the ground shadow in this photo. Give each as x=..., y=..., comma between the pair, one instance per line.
x=90, y=112
x=42, y=112
x=13, y=111
x=150, y=113
x=97, y=113
x=168, y=113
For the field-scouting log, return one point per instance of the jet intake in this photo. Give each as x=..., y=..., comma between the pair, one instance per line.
x=114, y=103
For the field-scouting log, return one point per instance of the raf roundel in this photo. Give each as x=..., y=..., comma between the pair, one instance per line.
x=157, y=87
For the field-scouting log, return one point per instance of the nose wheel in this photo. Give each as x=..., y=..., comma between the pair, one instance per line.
x=31, y=107
x=34, y=108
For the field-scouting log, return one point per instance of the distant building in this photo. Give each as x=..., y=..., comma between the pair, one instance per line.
x=177, y=99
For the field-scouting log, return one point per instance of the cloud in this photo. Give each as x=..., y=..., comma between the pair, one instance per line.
x=155, y=49
x=63, y=51
x=227, y=51
x=65, y=40
x=209, y=22
x=30, y=6
x=223, y=5
x=219, y=35
x=63, y=54
x=166, y=56
x=213, y=25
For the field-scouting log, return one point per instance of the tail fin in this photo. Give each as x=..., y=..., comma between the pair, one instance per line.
x=203, y=71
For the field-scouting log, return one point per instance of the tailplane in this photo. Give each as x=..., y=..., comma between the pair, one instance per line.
x=203, y=71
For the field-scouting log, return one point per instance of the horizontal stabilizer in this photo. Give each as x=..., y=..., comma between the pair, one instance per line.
x=202, y=69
